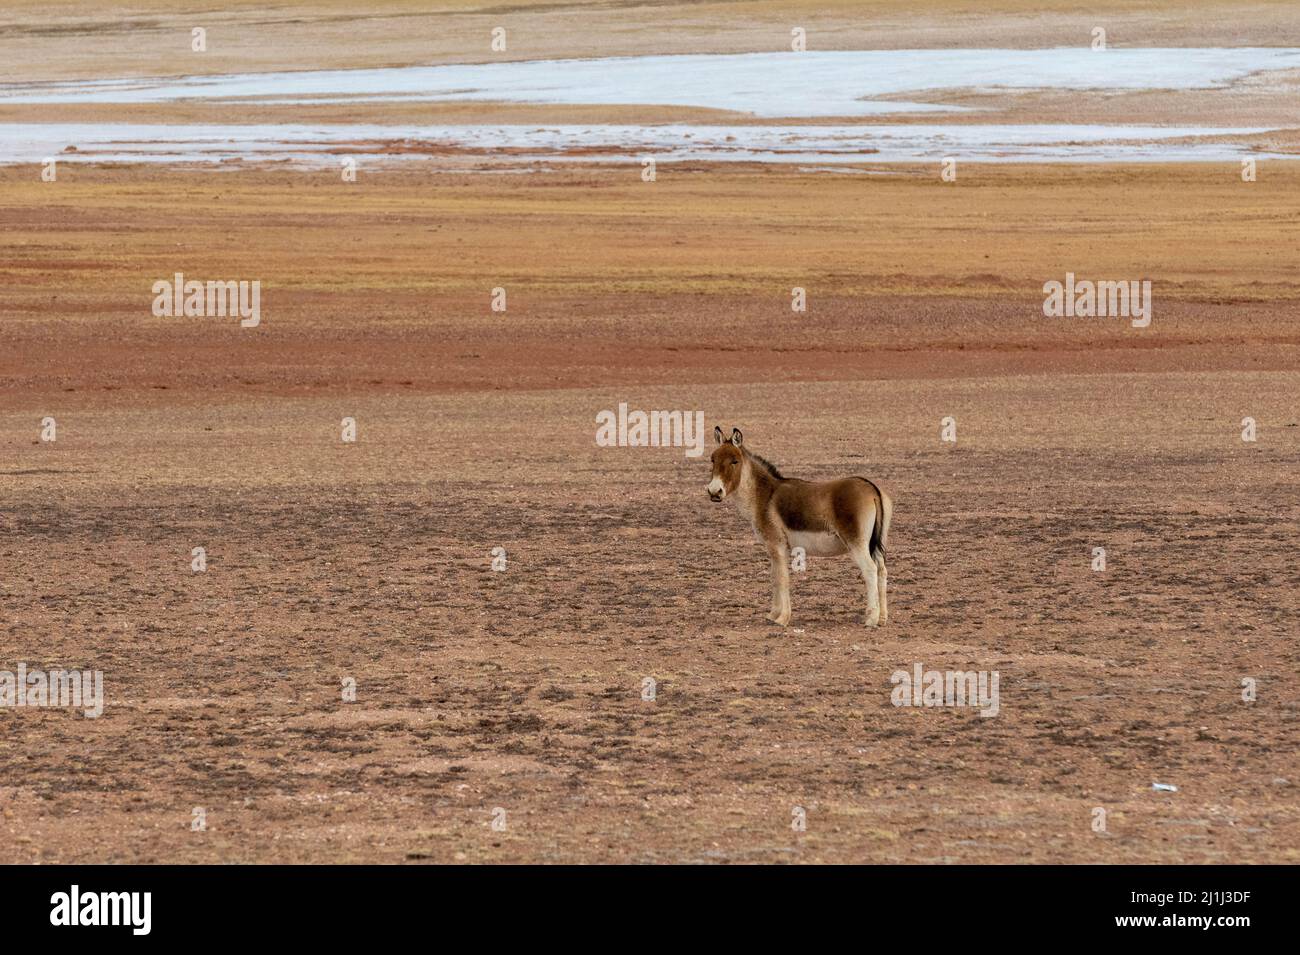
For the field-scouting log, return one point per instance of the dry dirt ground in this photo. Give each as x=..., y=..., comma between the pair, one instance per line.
x=522, y=689
x=66, y=39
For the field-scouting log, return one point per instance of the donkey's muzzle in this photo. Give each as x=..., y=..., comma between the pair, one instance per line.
x=715, y=498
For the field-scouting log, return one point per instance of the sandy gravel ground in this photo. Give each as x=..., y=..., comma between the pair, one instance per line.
x=521, y=690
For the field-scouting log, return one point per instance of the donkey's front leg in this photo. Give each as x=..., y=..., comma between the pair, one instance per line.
x=779, y=553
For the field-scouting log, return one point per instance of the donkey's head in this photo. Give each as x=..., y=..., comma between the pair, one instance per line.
x=728, y=464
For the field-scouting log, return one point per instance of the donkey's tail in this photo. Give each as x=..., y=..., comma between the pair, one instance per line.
x=880, y=527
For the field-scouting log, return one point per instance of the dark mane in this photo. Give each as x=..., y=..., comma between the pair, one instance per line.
x=766, y=465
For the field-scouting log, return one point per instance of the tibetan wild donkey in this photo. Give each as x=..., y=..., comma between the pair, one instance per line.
x=826, y=518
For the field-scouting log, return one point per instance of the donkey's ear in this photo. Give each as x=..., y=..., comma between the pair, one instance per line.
x=717, y=433
x=736, y=437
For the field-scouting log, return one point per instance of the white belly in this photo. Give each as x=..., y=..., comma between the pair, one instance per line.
x=816, y=544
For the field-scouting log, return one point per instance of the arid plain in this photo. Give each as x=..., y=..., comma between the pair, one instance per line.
x=522, y=689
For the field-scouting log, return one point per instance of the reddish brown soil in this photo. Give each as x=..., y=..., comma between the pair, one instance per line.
x=522, y=689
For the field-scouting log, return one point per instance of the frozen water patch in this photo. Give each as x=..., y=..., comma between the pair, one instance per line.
x=765, y=85
x=817, y=145
x=808, y=85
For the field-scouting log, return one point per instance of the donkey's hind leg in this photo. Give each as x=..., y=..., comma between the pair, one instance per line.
x=882, y=581
x=870, y=574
